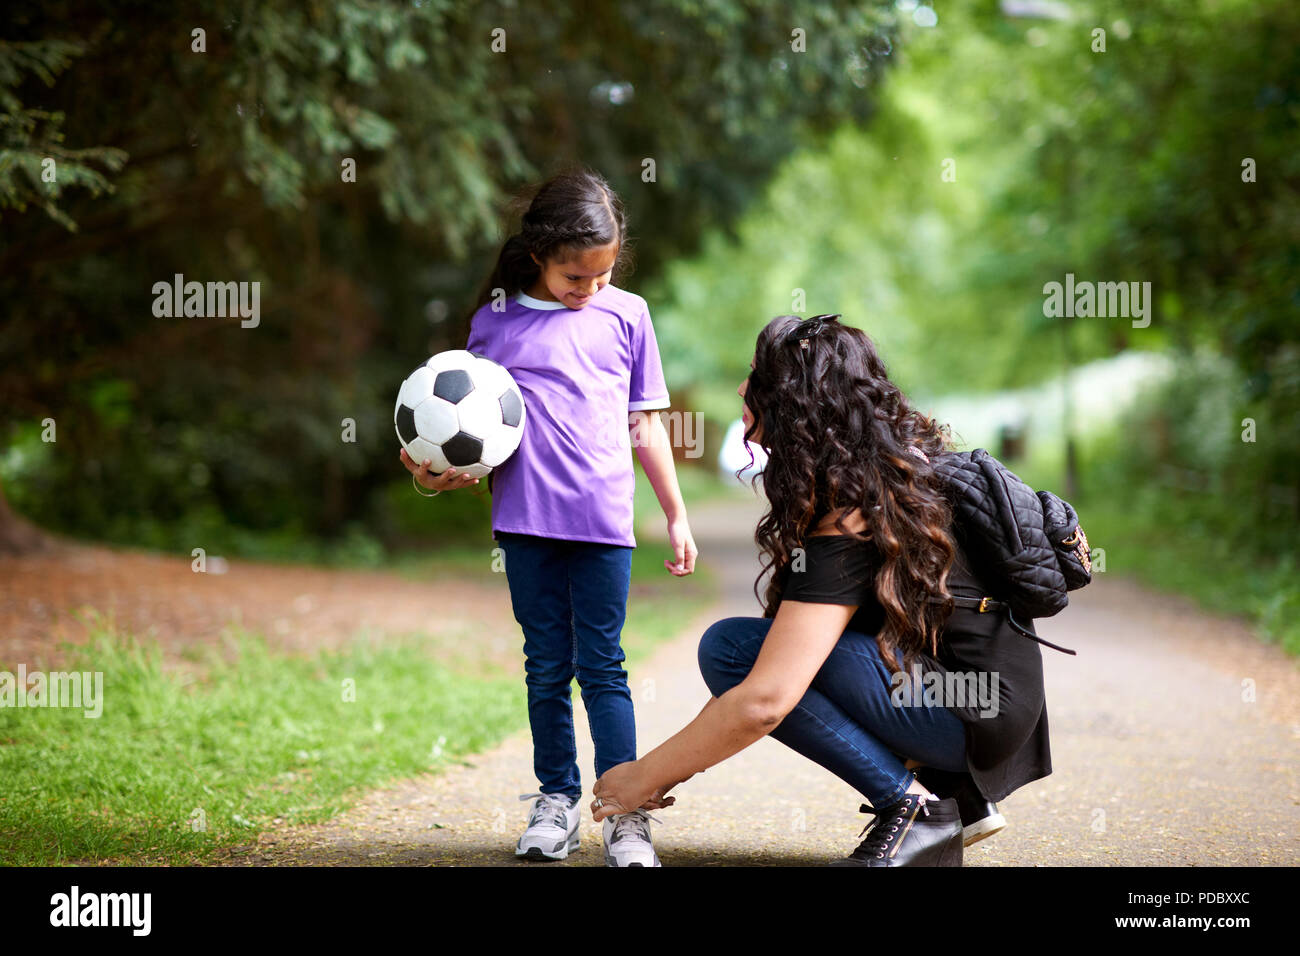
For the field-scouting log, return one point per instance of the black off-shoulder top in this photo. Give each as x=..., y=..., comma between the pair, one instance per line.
x=1003, y=751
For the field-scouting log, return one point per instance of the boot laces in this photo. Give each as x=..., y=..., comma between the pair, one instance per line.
x=883, y=829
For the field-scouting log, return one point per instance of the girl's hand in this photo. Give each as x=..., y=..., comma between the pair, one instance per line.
x=425, y=478
x=621, y=789
x=684, y=550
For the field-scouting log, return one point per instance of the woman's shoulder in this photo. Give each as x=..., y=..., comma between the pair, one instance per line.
x=833, y=567
x=845, y=553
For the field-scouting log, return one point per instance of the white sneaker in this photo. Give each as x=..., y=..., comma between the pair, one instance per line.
x=627, y=840
x=552, y=831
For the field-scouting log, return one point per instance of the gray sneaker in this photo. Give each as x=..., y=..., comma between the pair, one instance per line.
x=627, y=840
x=552, y=832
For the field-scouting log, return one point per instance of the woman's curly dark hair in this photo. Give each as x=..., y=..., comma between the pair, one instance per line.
x=840, y=435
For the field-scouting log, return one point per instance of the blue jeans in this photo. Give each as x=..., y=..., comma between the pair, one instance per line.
x=845, y=721
x=570, y=598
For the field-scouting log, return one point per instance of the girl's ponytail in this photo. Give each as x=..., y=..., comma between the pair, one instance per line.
x=515, y=270
x=572, y=211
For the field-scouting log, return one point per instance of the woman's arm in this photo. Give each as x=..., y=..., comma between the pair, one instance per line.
x=798, y=642
x=655, y=453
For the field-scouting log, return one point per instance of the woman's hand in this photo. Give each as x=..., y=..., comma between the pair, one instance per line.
x=621, y=789
x=425, y=478
x=684, y=550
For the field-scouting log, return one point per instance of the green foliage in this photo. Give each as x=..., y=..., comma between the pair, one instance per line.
x=1122, y=165
x=1179, y=496
x=1057, y=166
x=1141, y=149
x=863, y=228
x=31, y=140
x=1203, y=443
x=236, y=173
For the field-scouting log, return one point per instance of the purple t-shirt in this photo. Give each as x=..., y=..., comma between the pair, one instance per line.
x=581, y=372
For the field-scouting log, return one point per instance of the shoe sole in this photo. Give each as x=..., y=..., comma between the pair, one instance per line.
x=949, y=854
x=609, y=861
x=540, y=855
x=983, y=828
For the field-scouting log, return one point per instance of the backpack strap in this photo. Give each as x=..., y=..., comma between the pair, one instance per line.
x=1034, y=637
x=986, y=604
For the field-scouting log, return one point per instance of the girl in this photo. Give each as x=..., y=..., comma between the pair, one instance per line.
x=585, y=357
x=846, y=621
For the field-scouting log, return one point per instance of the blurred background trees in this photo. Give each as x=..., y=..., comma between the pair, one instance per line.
x=226, y=164
x=922, y=170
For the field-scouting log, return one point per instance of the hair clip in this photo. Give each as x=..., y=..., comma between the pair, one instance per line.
x=809, y=328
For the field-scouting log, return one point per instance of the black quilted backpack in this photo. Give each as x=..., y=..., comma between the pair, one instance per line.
x=1028, y=546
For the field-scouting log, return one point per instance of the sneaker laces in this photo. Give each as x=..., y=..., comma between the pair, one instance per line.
x=550, y=808
x=638, y=821
x=883, y=830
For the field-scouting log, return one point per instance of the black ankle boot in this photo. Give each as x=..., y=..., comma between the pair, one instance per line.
x=916, y=831
x=979, y=817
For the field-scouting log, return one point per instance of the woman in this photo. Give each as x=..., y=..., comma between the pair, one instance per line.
x=862, y=660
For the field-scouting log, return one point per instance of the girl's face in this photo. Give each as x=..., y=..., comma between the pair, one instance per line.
x=574, y=279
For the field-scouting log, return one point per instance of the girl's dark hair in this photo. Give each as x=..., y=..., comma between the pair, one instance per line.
x=573, y=210
x=842, y=436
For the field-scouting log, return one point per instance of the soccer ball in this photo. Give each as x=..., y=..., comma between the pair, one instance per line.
x=460, y=408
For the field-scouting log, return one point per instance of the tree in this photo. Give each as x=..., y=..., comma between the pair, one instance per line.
x=215, y=143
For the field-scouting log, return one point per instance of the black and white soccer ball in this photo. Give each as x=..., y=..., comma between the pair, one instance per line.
x=460, y=408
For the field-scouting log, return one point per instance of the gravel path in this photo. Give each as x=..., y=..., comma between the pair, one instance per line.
x=1161, y=758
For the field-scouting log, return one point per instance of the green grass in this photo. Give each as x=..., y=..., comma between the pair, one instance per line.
x=240, y=740
x=254, y=739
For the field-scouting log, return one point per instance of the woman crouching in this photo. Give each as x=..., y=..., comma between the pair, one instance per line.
x=861, y=662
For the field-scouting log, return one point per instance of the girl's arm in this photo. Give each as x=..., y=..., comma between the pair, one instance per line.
x=655, y=453
x=798, y=642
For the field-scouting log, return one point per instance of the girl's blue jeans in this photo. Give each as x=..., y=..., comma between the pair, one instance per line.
x=570, y=598
x=846, y=721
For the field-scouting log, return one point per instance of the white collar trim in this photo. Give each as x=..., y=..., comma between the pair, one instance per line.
x=524, y=299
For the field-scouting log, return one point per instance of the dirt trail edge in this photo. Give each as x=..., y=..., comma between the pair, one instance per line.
x=1175, y=737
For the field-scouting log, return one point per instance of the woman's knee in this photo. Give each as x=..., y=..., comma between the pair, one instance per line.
x=717, y=643
x=724, y=651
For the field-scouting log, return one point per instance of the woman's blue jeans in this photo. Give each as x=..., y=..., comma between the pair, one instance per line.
x=846, y=721
x=570, y=598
